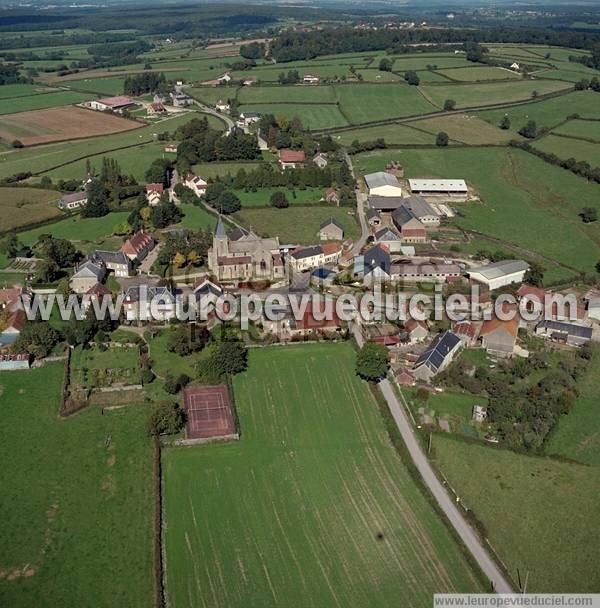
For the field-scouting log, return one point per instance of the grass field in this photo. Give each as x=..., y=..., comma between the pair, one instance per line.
x=420, y=61
x=38, y=102
x=76, y=498
x=207, y=170
x=392, y=133
x=465, y=129
x=480, y=94
x=22, y=206
x=103, y=86
x=313, y=116
x=565, y=147
x=584, y=129
x=370, y=102
x=22, y=90
x=287, y=94
x=519, y=192
x=578, y=434
x=293, y=510
x=197, y=217
x=548, y=112
x=476, y=74
x=261, y=197
x=540, y=515
x=296, y=225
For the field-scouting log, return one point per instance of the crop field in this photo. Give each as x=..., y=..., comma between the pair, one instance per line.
x=465, y=129
x=287, y=94
x=518, y=191
x=39, y=159
x=77, y=498
x=38, y=102
x=584, y=129
x=59, y=124
x=565, y=147
x=540, y=515
x=476, y=74
x=312, y=501
x=298, y=225
x=480, y=94
x=578, y=434
x=394, y=134
x=22, y=206
x=548, y=112
x=314, y=116
x=365, y=103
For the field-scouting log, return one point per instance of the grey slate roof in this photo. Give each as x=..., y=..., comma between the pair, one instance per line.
x=385, y=203
x=377, y=257
x=220, y=229
x=89, y=269
x=333, y=221
x=307, y=252
x=403, y=215
x=435, y=354
x=387, y=234
x=579, y=331
x=109, y=258
x=133, y=293
x=418, y=205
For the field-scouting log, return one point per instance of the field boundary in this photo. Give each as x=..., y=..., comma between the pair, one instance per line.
x=157, y=516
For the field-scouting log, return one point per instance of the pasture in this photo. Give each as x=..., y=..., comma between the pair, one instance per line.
x=565, y=147
x=77, y=498
x=102, y=86
x=583, y=129
x=539, y=514
x=519, y=192
x=312, y=502
x=45, y=100
x=287, y=94
x=260, y=198
x=59, y=124
x=479, y=74
x=394, y=134
x=23, y=206
x=297, y=225
x=313, y=116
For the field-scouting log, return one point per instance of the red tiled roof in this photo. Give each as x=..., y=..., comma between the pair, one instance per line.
x=511, y=327
x=465, y=329
x=292, y=156
x=331, y=248
x=530, y=290
x=157, y=107
x=137, y=242
x=155, y=188
x=17, y=320
x=386, y=340
x=412, y=324
x=308, y=320
x=98, y=290
x=10, y=295
x=405, y=378
x=413, y=232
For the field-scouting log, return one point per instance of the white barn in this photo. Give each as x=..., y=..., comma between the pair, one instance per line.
x=499, y=274
x=383, y=184
x=436, y=187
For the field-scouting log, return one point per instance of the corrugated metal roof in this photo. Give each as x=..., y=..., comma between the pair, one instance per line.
x=438, y=185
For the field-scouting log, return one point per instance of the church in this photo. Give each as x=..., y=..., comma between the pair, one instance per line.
x=243, y=256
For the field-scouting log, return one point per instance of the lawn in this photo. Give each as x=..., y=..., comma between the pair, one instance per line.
x=465, y=129
x=548, y=112
x=296, y=225
x=313, y=116
x=520, y=193
x=565, y=147
x=312, y=502
x=578, y=434
x=37, y=102
x=540, y=515
x=371, y=102
x=481, y=94
x=76, y=500
x=196, y=217
x=22, y=206
x=95, y=368
x=392, y=133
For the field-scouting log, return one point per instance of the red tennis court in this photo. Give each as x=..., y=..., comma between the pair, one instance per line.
x=209, y=413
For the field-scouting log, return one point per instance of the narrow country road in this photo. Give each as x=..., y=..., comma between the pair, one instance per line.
x=466, y=533
x=360, y=210
x=204, y=108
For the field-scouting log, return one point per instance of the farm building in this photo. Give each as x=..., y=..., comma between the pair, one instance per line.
x=115, y=104
x=437, y=187
x=373, y=217
x=385, y=204
x=383, y=184
x=73, y=201
x=422, y=210
x=499, y=337
x=390, y=238
x=437, y=356
x=569, y=333
x=499, y=274
x=418, y=272
x=138, y=246
x=209, y=413
x=156, y=109
x=290, y=159
x=331, y=230
x=248, y=118
x=410, y=227
x=310, y=79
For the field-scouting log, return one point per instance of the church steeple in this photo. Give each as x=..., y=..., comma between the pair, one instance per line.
x=220, y=229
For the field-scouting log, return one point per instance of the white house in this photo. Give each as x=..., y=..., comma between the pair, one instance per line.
x=310, y=79
x=154, y=193
x=383, y=184
x=73, y=201
x=222, y=106
x=307, y=258
x=499, y=274
x=196, y=184
x=515, y=66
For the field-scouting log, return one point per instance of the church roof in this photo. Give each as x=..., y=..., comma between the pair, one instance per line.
x=220, y=229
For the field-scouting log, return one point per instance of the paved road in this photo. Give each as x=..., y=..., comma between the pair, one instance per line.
x=360, y=209
x=468, y=536
x=207, y=110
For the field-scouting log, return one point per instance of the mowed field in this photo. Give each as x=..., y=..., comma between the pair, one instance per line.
x=313, y=116
x=519, y=193
x=393, y=133
x=565, y=147
x=22, y=206
x=311, y=507
x=539, y=514
x=39, y=101
x=76, y=501
x=59, y=124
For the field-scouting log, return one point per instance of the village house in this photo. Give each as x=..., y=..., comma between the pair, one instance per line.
x=373, y=218
x=466, y=331
x=422, y=210
x=154, y=193
x=515, y=66
x=12, y=329
x=73, y=201
x=138, y=303
x=115, y=261
x=310, y=79
x=320, y=160
x=156, y=109
x=411, y=228
x=138, y=246
x=117, y=104
x=206, y=293
x=196, y=184
x=413, y=272
x=499, y=274
x=437, y=356
x=331, y=230
x=383, y=184
x=246, y=258
x=222, y=106
x=332, y=195
x=248, y=118
x=414, y=331
x=567, y=333
x=313, y=323
x=373, y=266
x=86, y=276
x=390, y=238
x=499, y=337
x=290, y=159
x=307, y=258
x=171, y=148
x=96, y=292
x=11, y=298
x=180, y=99
x=451, y=188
